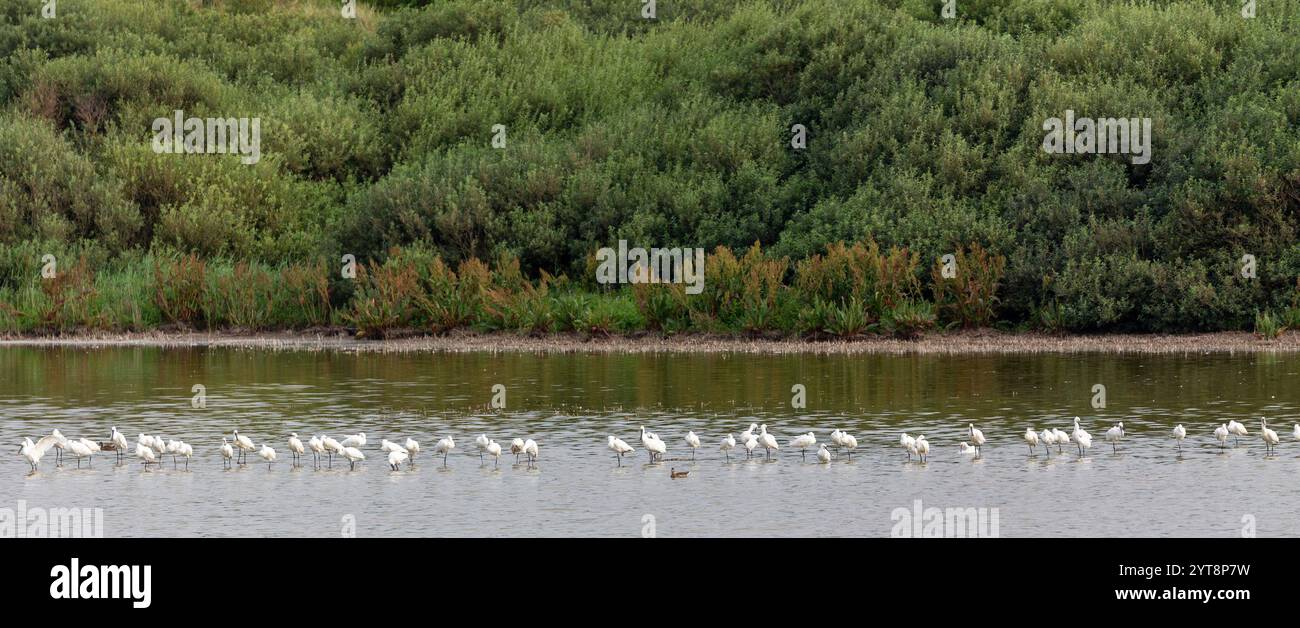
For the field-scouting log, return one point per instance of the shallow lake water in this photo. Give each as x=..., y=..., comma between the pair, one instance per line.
x=568, y=403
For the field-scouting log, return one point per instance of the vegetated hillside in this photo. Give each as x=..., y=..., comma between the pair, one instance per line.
x=923, y=134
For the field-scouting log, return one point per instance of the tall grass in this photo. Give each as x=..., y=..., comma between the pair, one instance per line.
x=851, y=290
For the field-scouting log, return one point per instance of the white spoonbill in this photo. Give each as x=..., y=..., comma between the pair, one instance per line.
x=91, y=445
x=1221, y=434
x=849, y=442
x=56, y=440
x=388, y=446
x=481, y=442
x=693, y=441
x=517, y=447
x=966, y=449
x=244, y=444
x=802, y=442
x=412, y=448
x=1061, y=438
x=1048, y=438
x=396, y=457
x=1180, y=433
x=494, y=450
x=1114, y=434
x=31, y=452
x=267, y=454
x=749, y=431
x=227, y=452
x=1031, y=437
x=837, y=438
x=444, y=447
x=295, y=447
x=119, y=442
x=1237, y=430
x=751, y=444
x=332, y=448
x=357, y=440
x=908, y=443
x=353, y=456
x=187, y=452
x=619, y=447
x=823, y=454
x=317, y=448
x=728, y=444
x=1295, y=433
x=976, y=439
x=767, y=440
x=1082, y=438
x=653, y=445
x=922, y=447
x=145, y=453
x=530, y=448
x=1270, y=437
x=77, y=449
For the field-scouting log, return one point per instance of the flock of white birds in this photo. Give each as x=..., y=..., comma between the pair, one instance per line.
x=235, y=449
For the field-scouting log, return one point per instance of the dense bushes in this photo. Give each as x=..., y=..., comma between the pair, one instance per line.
x=924, y=140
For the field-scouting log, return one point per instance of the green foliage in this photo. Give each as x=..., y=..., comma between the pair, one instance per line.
x=924, y=139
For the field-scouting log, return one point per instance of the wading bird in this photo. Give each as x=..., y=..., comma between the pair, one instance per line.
x=267, y=454
x=976, y=439
x=619, y=447
x=357, y=440
x=317, y=448
x=145, y=453
x=31, y=452
x=849, y=442
x=332, y=448
x=396, y=457
x=353, y=456
x=922, y=447
x=1221, y=435
x=802, y=442
x=966, y=449
x=517, y=447
x=655, y=447
x=1031, y=437
x=1081, y=438
x=1180, y=433
x=444, y=447
x=494, y=450
x=227, y=452
x=823, y=454
x=1048, y=438
x=1238, y=430
x=767, y=440
x=412, y=448
x=728, y=444
x=530, y=448
x=1270, y=437
x=751, y=444
x=119, y=442
x=693, y=442
x=908, y=443
x=244, y=444
x=295, y=447
x=1061, y=438
x=1113, y=435
x=481, y=442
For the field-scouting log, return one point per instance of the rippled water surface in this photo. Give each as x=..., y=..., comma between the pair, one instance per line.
x=569, y=403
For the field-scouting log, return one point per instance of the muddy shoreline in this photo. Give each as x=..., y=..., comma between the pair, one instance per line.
x=981, y=341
